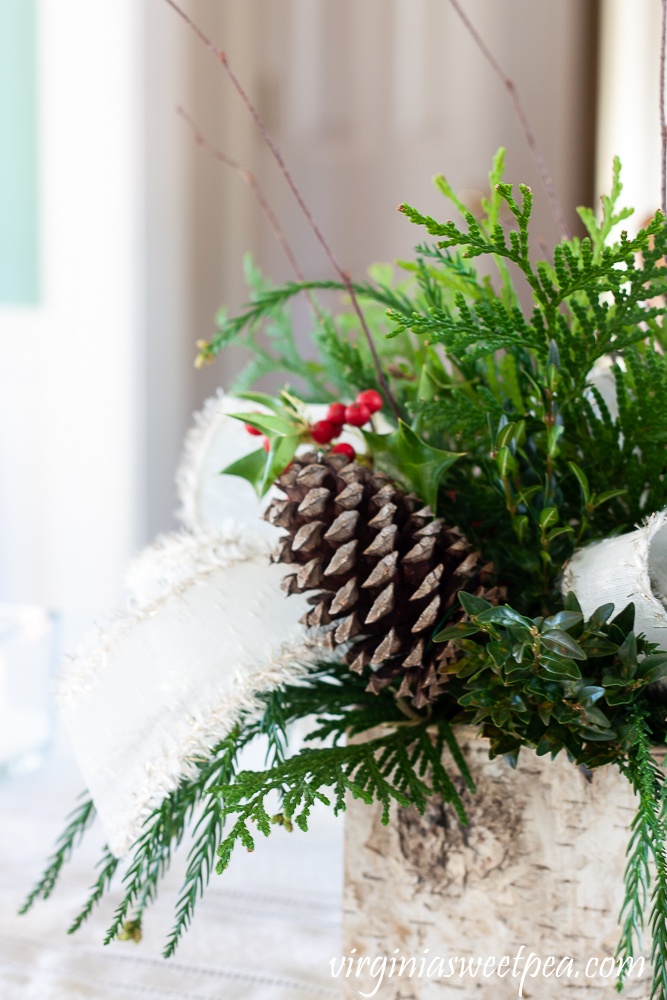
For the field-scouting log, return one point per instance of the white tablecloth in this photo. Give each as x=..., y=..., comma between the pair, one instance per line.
x=266, y=929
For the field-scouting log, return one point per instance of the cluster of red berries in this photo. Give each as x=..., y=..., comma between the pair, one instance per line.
x=356, y=415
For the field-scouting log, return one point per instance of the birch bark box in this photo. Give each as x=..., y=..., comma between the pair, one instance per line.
x=540, y=864
x=541, y=861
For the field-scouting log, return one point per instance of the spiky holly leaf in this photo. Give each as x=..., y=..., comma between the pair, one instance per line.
x=261, y=468
x=407, y=456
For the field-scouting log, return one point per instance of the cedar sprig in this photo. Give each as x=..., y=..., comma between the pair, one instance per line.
x=646, y=850
x=391, y=767
x=107, y=865
x=80, y=820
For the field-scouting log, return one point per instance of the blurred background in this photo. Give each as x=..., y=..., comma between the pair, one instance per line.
x=119, y=240
x=119, y=237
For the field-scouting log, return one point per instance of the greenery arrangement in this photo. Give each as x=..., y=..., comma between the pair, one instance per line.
x=494, y=419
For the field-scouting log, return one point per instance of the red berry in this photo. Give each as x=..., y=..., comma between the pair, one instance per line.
x=266, y=444
x=344, y=449
x=338, y=429
x=252, y=430
x=323, y=431
x=371, y=399
x=336, y=412
x=357, y=414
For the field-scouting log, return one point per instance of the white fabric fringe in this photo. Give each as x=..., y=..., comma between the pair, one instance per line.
x=204, y=630
x=631, y=567
x=163, y=683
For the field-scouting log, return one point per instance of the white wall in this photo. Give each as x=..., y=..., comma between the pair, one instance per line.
x=71, y=480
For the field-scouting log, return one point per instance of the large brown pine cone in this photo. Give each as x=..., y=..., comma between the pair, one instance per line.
x=385, y=572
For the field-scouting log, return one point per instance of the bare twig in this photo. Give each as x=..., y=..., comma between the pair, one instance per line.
x=663, y=124
x=510, y=87
x=245, y=174
x=344, y=276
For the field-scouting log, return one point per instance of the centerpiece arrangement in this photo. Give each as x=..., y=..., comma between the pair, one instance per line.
x=436, y=557
x=433, y=559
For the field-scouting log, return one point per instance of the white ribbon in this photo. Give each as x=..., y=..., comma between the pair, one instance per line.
x=205, y=629
x=631, y=567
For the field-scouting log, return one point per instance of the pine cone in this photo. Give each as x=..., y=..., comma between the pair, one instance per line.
x=384, y=571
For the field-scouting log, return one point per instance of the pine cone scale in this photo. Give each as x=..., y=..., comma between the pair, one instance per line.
x=383, y=567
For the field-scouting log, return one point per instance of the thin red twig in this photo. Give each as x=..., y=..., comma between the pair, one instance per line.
x=245, y=174
x=663, y=123
x=510, y=87
x=344, y=276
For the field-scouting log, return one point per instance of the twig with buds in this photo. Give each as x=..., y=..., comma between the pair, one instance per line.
x=245, y=175
x=344, y=275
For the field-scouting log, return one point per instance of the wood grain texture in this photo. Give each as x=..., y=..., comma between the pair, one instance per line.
x=540, y=864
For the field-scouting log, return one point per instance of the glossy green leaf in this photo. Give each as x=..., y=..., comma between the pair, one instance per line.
x=250, y=467
x=558, y=532
x=526, y=495
x=557, y=667
x=549, y=743
x=627, y=654
x=595, y=736
x=516, y=674
x=505, y=462
x=653, y=667
x=625, y=619
x=499, y=651
x=605, y=497
x=597, y=645
x=478, y=699
x=472, y=605
x=503, y=615
x=455, y=632
x=589, y=694
x=596, y=716
x=548, y=517
x=267, y=423
x=621, y=696
x=265, y=399
x=572, y=602
x=406, y=455
x=583, y=480
x=505, y=435
x=560, y=642
x=563, y=620
x=599, y=617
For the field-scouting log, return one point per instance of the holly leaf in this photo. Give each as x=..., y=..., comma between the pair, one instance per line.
x=265, y=399
x=250, y=467
x=409, y=457
x=267, y=423
x=284, y=438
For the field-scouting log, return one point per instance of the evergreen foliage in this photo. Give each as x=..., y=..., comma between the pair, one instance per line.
x=540, y=460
